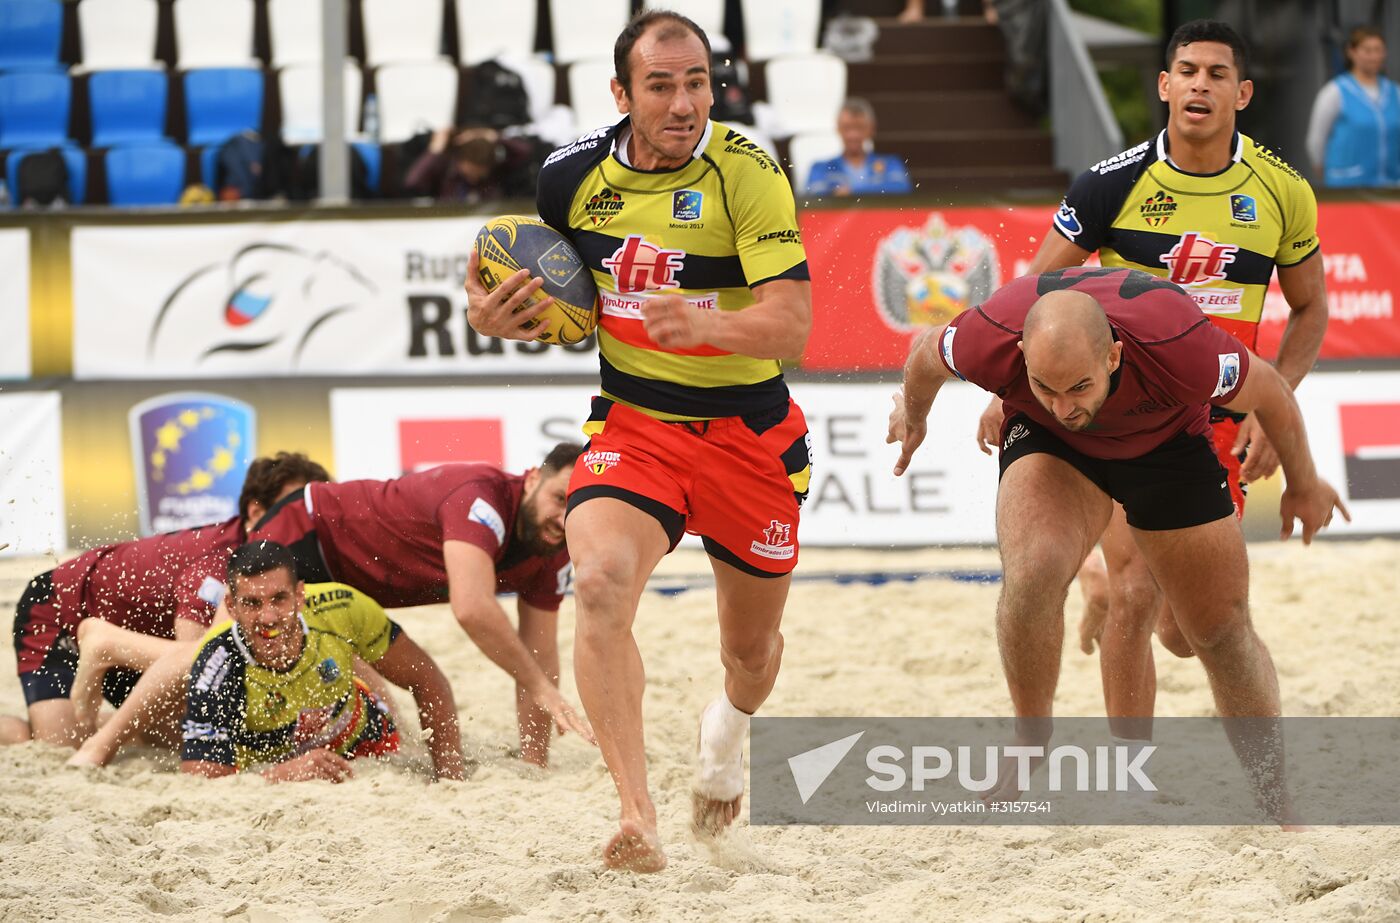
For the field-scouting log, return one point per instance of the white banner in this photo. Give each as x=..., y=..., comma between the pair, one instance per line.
x=31, y=475
x=294, y=298
x=947, y=496
x=14, y=304
x=1353, y=421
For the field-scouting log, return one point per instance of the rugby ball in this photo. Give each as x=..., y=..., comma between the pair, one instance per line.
x=511, y=243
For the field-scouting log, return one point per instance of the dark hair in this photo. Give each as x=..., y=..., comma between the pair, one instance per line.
x=561, y=457
x=1357, y=36
x=637, y=26
x=483, y=152
x=259, y=557
x=1209, y=30
x=268, y=477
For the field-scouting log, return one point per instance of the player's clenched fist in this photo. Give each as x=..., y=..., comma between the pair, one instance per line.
x=674, y=323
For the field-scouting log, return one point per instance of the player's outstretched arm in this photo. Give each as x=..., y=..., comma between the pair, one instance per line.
x=499, y=313
x=924, y=374
x=539, y=629
x=1306, y=497
x=471, y=587
x=408, y=666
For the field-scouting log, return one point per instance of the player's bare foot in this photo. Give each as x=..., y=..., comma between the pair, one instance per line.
x=719, y=773
x=1093, y=585
x=709, y=816
x=81, y=760
x=634, y=848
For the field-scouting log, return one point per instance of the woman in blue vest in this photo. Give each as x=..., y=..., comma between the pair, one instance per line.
x=1354, y=132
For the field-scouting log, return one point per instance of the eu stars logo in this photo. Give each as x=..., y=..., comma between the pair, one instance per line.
x=686, y=205
x=1242, y=208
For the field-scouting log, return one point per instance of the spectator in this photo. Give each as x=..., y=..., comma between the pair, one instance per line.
x=859, y=170
x=1354, y=132
x=473, y=165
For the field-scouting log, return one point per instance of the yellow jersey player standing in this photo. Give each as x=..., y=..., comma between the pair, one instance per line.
x=691, y=233
x=1211, y=210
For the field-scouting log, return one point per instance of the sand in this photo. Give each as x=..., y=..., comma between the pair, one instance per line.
x=139, y=841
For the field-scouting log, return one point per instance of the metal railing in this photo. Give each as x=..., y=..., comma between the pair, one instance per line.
x=1082, y=123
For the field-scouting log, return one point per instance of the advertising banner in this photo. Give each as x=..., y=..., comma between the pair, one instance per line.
x=333, y=298
x=31, y=475
x=882, y=275
x=1353, y=422
x=14, y=304
x=947, y=496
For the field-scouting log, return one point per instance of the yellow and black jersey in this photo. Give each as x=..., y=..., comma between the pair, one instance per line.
x=240, y=714
x=1217, y=235
x=710, y=231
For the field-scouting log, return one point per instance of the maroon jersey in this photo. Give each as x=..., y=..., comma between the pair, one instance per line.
x=146, y=584
x=1175, y=361
x=385, y=537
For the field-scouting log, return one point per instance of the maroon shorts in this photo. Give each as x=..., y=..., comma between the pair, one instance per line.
x=1222, y=435
x=46, y=648
x=737, y=482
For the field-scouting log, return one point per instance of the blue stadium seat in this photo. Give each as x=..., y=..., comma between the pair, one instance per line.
x=127, y=106
x=151, y=173
x=30, y=31
x=222, y=101
x=74, y=158
x=34, y=109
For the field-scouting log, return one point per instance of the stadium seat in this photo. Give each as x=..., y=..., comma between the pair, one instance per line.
x=300, y=87
x=214, y=33
x=586, y=30
x=774, y=27
x=414, y=98
x=806, y=149
x=489, y=29
x=152, y=173
x=34, y=109
x=222, y=101
x=403, y=31
x=74, y=158
x=30, y=32
x=707, y=14
x=127, y=106
x=118, y=34
x=805, y=92
x=590, y=93
x=294, y=28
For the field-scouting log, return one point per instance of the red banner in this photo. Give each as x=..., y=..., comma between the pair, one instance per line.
x=882, y=275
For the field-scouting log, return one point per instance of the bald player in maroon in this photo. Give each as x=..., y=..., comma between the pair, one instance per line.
x=1108, y=376
x=461, y=534
x=161, y=587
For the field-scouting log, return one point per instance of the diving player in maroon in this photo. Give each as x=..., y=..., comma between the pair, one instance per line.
x=1108, y=376
x=134, y=594
x=461, y=534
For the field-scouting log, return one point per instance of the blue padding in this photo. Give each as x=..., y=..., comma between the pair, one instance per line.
x=374, y=160
x=222, y=101
x=30, y=31
x=151, y=173
x=34, y=109
x=127, y=106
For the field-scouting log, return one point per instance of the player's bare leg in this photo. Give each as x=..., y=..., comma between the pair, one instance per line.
x=14, y=730
x=1170, y=634
x=751, y=649
x=1048, y=517
x=1214, y=616
x=52, y=721
x=1125, y=651
x=1093, y=586
x=152, y=709
x=614, y=547
x=101, y=646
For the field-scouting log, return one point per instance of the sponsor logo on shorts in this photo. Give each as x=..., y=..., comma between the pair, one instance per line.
x=1157, y=209
x=777, y=542
x=485, y=514
x=637, y=266
x=1018, y=431
x=686, y=205
x=203, y=730
x=789, y=236
x=1067, y=221
x=215, y=669
x=329, y=670
x=1242, y=208
x=212, y=591
x=599, y=461
x=1229, y=374
x=603, y=207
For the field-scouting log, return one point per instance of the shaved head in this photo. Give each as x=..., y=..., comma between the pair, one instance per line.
x=1070, y=355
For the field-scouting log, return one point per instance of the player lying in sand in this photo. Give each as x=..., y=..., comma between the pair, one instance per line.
x=275, y=687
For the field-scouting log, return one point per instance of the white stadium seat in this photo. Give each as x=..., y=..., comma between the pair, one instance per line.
x=805, y=92
x=214, y=33
x=300, y=89
x=118, y=34
x=398, y=31
x=774, y=27
x=590, y=93
x=489, y=29
x=707, y=14
x=586, y=29
x=415, y=97
x=806, y=149
x=294, y=27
